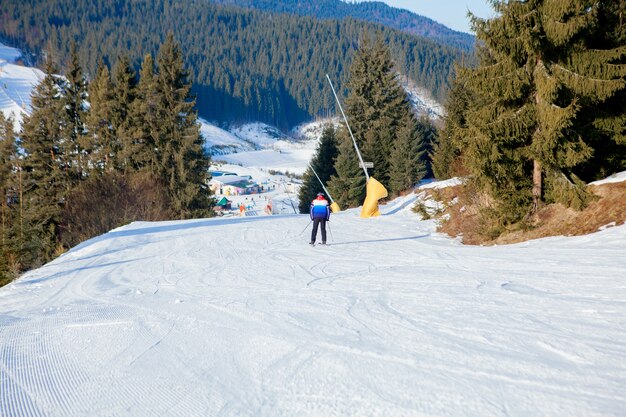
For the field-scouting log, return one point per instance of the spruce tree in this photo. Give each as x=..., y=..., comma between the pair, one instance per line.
x=347, y=186
x=124, y=89
x=538, y=75
x=606, y=121
x=73, y=131
x=146, y=113
x=323, y=162
x=429, y=135
x=447, y=153
x=375, y=105
x=407, y=165
x=182, y=161
x=103, y=145
x=45, y=168
x=8, y=156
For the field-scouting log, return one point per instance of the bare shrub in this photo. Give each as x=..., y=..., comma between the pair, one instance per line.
x=102, y=203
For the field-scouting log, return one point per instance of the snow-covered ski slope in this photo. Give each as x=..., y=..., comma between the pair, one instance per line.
x=241, y=317
x=16, y=85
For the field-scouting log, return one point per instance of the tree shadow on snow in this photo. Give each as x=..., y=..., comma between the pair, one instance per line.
x=380, y=240
x=37, y=280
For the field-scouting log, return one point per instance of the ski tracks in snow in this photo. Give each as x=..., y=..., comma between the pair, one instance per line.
x=242, y=317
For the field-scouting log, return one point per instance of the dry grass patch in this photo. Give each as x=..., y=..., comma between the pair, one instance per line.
x=609, y=209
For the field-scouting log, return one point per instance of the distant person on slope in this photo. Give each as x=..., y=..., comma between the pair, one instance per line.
x=320, y=214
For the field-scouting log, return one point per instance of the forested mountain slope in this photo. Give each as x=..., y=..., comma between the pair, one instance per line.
x=372, y=11
x=245, y=64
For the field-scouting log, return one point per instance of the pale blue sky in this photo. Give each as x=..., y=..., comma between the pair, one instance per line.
x=452, y=13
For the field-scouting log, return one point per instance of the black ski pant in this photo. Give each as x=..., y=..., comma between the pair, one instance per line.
x=317, y=222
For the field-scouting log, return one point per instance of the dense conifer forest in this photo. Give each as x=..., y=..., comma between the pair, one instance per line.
x=244, y=64
x=371, y=11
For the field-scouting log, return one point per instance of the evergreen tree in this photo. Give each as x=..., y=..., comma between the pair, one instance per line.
x=606, y=121
x=429, y=135
x=8, y=151
x=182, y=160
x=8, y=156
x=146, y=113
x=323, y=162
x=407, y=165
x=375, y=105
x=103, y=145
x=348, y=185
x=124, y=88
x=447, y=151
x=537, y=76
x=74, y=138
x=45, y=169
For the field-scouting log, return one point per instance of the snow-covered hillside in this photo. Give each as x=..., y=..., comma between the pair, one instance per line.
x=422, y=101
x=241, y=317
x=260, y=146
x=16, y=84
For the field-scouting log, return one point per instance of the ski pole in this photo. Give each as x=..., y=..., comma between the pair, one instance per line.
x=332, y=239
x=305, y=227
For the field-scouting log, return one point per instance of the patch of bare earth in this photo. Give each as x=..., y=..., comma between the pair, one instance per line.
x=609, y=209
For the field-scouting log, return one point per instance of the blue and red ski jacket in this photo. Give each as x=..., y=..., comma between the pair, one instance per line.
x=320, y=209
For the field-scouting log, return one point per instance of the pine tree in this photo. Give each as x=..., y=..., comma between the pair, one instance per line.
x=182, y=160
x=146, y=114
x=429, y=135
x=8, y=162
x=348, y=185
x=606, y=122
x=103, y=144
x=45, y=169
x=407, y=165
x=447, y=151
x=8, y=151
x=538, y=74
x=375, y=105
x=73, y=131
x=125, y=84
x=323, y=162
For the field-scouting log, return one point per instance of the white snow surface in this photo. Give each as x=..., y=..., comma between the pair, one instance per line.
x=422, y=100
x=215, y=136
x=618, y=177
x=241, y=317
x=9, y=54
x=16, y=84
x=442, y=184
x=293, y=160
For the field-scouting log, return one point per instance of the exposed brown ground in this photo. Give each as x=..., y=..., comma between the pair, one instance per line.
x=551, y=220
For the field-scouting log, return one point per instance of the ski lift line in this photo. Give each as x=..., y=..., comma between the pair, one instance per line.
x=288, y=195
x=322, y=184
x=367, y=177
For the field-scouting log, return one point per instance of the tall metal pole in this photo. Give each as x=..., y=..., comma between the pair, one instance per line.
x=349, y=130
x=290, y=200
x=321, y=183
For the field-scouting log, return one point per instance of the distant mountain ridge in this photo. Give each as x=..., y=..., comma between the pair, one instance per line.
x=371, y=11
x=245, y=64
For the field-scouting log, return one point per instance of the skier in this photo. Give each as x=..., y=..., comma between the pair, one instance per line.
x=320, y=214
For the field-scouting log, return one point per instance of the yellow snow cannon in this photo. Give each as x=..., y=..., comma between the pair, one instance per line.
x=374, y=192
